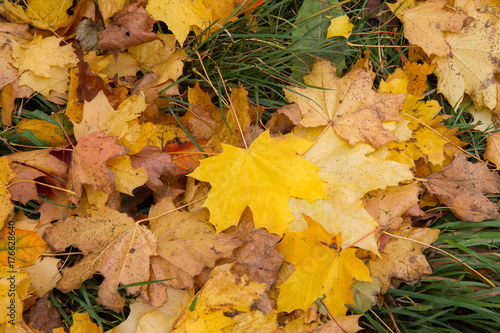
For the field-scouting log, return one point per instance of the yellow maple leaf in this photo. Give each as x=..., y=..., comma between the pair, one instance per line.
x=349, y=104
x=42, y=54
x=339, y=26
x=350, y=173
x=472, y=65
x=43, y=14
x=321, y=269
x=43, y=130
x=222, y=293
x=261, y=177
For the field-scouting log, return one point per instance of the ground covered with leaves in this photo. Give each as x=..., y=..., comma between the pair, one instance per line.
x=249, y=166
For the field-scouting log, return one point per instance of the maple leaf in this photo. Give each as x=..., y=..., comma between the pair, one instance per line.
x=320, y=269
x=222, y=293
x=43, y=14
x=461, y=186
x=425, y=25
x=348, y=104
x=88, y=164
x=82, y=323
x=339, y=26
x=261, y=177
x=41, y=55
x=350, y=173
x=402, y=260
x=28, y=246
x=473, y=63
x=44, y=275
x=112, y=244
x=187, y=244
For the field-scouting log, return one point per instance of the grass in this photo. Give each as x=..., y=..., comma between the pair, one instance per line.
x=261, y=53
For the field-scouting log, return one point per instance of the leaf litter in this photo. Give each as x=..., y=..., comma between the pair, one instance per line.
x=248, y=228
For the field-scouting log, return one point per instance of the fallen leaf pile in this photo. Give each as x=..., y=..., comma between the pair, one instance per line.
x=246, y=227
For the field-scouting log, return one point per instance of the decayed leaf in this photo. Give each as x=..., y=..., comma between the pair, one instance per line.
x=402, y=260
x=320, y=269
x=88, y=164
x=473, y=63
x=261, y=177
x=425, y=25
x=187, y=244
x=461, y=187
x=113, y=245
x=348, y=104
x=28, y=246
x=364, y=295
x=342, y=324
x=131, y=26
x=6, y=175
x=222, y=293
x=258, y=258
x=43, y=318
x=350, y=173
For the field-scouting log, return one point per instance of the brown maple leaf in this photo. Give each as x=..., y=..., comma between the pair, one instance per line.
x=349, y=104
x=461, y=186
x=88, y=164
x=112, y=244
x=187, y=244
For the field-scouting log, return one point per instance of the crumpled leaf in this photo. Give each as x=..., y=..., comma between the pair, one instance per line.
x=44, y=275
x=88, y=164
x=348, y=105
x=321, y=269
x=112, y=244
x=402, y=260
x=131, y=26
x=350, y=173
x=461, y=187
x=261, y=177
x=222, y=293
